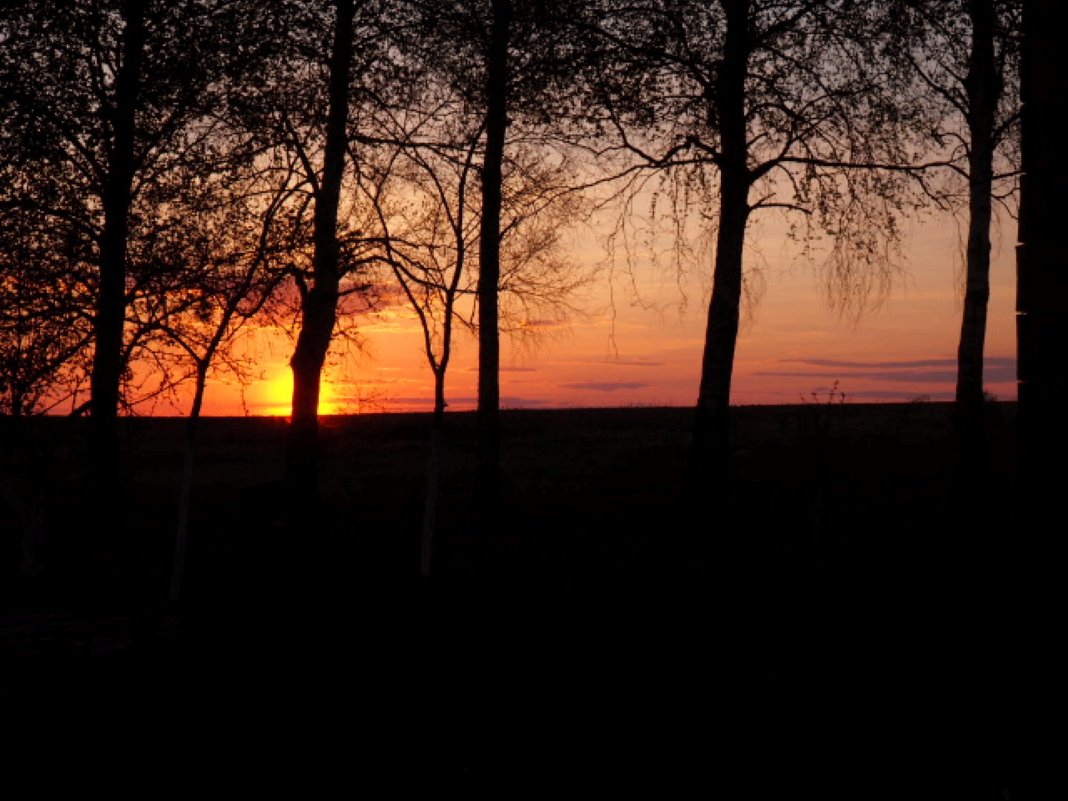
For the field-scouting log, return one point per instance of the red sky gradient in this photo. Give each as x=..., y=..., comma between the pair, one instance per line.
x=648, y=351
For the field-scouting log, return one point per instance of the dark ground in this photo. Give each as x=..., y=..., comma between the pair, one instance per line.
x=850, y=621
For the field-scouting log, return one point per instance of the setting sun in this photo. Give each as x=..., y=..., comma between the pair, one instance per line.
x=277, y=395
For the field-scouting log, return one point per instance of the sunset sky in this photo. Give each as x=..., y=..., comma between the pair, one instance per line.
x=647, y=352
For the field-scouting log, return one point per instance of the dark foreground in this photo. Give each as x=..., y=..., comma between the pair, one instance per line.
x=850, y=620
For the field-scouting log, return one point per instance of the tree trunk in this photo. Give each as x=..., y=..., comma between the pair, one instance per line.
x=185, y=493
x=490, y=255
x=983, y=89
x=709, y=459
x=116, y=199
x=1030, y=566
x=1042, y=262
x=433, y=476
x=319, y=311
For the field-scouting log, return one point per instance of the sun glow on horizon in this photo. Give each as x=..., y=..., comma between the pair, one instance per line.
x=277, y=395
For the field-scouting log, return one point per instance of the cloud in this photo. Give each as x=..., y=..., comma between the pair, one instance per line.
x=542, y=325
x=990, y=361
x=606, y=386
x=633, y=363
x=464, y=402
x=506, y=370
x=878, y=365
x=997, y=369
x=605, y=362
x=418, y=400
x=936, y=377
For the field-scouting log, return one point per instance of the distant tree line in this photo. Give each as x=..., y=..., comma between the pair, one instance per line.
x=172, y=171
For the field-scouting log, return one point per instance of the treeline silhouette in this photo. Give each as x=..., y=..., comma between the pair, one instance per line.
x=175, y=173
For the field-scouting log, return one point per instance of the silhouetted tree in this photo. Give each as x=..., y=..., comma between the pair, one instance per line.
x=77, y=117
x=991, y=112
x=430, y=210
x=753, y=105
x=964, y=60
x=509, y=59
x=1042, y=283
x=319, y=302
x=1027, y=568
x=489, y=249
x=45, y=330
x=116, y=197
x=102, y=101
x=232, y=253
x=315, y=100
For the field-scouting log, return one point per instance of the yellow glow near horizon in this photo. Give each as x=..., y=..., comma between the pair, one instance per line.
x=277, y=395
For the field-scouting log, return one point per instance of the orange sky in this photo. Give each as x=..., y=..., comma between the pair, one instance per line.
x=648, y=353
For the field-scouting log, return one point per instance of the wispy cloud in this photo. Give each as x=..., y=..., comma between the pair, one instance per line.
x=606, y=386
x=542, y=325
x=633, y=363
x=997, y=369
x=506, y=369
x=606, y=362
x=935, y=377
x=886, y=364
x=462, y=402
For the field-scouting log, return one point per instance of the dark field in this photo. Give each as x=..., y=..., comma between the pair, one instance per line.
x=847, y=617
